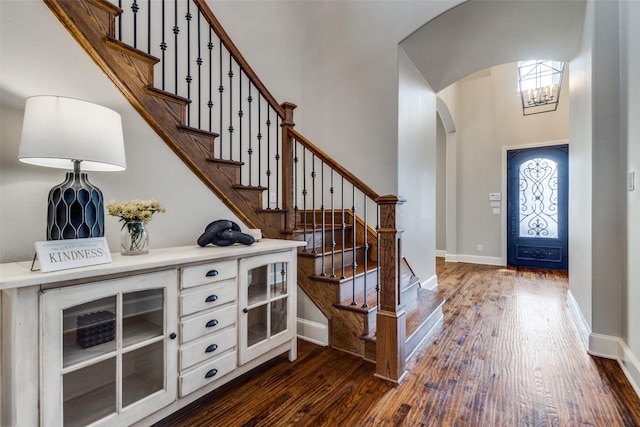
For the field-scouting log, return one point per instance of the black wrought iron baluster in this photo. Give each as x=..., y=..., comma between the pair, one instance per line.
x=163, y=45
x=304, y=194
x=333, y=227
x=250, y=150
x=314, y=222
x=378, y=255
x=199, y=62
x=149, y=27
x=220, y=91
x=354, y=264
x=188, y=78
x=259, y=137
x=210, y=74
x=295, y=189
x=277, y=200
x=324, y=220
x=230, y=74
x=365, y=233
x=343, y=226
x=176, y=31
x=240, y=115
x=134, y=9
x=268, y=155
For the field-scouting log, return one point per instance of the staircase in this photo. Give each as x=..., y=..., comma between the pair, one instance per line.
x=351, y=268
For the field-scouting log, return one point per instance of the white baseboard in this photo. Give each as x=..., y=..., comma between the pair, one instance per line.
x=615, y=348
x=475, y=259
x=583, y=327
x=440, y=253
x=451, y=258
x=314, y=332
x=631, y=367
x=606, y=346
x=431, y=283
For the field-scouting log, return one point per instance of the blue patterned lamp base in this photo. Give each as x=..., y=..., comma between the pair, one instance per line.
x=76, y=209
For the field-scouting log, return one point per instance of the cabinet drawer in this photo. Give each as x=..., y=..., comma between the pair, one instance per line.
x=207, y=348
x=208, y=273
x=207, y=323
x=207, y=373
x=206, y=297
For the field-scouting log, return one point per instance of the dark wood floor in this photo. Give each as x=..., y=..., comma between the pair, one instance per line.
x=508, y=355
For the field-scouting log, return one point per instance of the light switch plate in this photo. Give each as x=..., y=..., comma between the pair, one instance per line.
x=631, y=181
x=495, y=196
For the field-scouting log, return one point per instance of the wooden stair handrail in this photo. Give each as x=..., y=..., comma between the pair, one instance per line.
x=235, y=53
x=357, y=182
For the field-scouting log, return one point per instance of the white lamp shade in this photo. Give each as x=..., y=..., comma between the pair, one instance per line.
x=58, y=130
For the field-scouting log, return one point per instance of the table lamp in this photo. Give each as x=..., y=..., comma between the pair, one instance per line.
x=69, y=133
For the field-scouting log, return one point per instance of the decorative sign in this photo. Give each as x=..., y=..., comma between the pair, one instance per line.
x=57, y=255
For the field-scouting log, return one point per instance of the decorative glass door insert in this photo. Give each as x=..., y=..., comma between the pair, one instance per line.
x=539, y=198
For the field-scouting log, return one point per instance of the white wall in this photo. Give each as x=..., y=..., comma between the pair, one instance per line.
x=604, y=244
x=597, y=178
x=580, y=182
x=441, y=188
x=630, y=136
x=417, y=171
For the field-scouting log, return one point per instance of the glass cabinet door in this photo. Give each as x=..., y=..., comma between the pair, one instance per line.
x=113, y=348
x=265, y=297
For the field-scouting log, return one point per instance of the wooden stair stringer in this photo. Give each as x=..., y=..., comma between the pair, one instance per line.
x=92, y=24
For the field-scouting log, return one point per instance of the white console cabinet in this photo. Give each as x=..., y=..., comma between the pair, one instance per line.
x=133, y=341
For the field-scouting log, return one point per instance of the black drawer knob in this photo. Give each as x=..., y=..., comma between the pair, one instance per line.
x=211, y=323
x=245, y=310
x=211, y=373
x=212, y=347
x=173, y=335
x=212, y=298
x=212, y=273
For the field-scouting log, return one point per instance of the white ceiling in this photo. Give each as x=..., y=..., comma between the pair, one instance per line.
x=479, y=34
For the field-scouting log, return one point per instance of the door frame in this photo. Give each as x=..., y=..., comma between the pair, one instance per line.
x=503, y=205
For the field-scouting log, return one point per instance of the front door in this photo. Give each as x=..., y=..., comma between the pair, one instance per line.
x=537, y=193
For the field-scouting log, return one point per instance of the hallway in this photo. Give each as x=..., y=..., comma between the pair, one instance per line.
x=508, y=355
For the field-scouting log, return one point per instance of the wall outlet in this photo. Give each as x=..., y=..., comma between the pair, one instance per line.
x=272, y=198
x=479, y=248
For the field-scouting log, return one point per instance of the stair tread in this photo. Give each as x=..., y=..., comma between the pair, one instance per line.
x=309, y=252
x=372, y=302
x=249, y=187
x=348, y=273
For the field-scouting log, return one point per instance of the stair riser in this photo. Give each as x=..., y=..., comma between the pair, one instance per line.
x=328, y=215
x=346, y=288
x=314, y=239
x=324, y=266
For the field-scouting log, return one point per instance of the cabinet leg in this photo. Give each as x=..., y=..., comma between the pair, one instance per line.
x=293, y=351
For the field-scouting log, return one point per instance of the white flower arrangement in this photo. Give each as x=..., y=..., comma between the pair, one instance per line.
x=134, y=210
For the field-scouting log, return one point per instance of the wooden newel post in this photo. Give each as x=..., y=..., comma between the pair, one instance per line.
x=288, y=198
x=391, y=327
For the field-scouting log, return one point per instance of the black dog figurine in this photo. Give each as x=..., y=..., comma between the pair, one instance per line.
x=224, y=233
